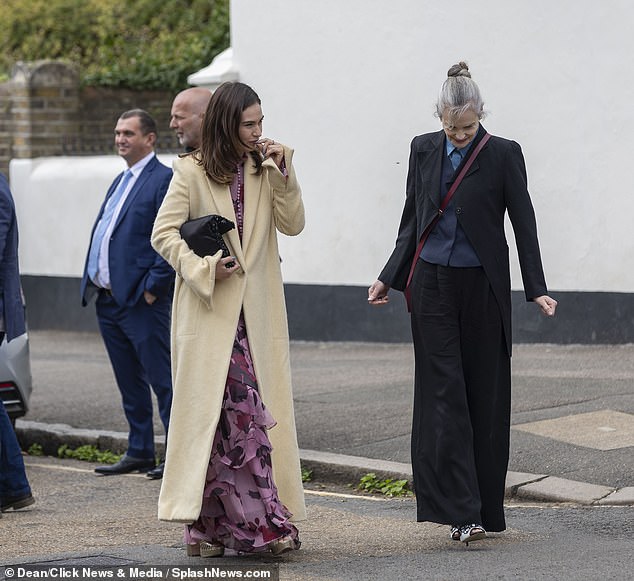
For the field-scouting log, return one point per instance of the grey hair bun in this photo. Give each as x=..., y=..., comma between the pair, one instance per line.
x=458, y=93
x=459, y=70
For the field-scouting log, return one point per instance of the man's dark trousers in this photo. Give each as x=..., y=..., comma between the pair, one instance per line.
x=138, y=343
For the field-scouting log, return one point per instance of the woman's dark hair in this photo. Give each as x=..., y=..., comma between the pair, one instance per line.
x=221, y=149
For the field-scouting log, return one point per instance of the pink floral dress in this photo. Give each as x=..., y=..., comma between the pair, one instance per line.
x=241, y=509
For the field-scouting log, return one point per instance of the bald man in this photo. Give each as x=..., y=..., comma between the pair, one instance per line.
x=188, y=109
x=187, y=114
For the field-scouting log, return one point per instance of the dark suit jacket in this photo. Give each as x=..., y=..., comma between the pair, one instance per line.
x=495, y=184
x=134, y=265
x=11, y=305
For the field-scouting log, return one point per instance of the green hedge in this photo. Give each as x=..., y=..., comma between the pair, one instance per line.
x=139, y=44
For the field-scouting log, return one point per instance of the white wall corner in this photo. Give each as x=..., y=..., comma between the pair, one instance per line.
x=221, y=69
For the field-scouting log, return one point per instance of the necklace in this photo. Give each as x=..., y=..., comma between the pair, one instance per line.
x=237, y=196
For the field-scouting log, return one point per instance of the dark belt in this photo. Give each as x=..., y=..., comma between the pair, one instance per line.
x=106, y=291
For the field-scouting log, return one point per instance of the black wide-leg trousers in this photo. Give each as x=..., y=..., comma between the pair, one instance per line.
x=462, y=395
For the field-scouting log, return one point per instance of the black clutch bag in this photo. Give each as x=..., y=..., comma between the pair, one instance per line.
x=204, y=235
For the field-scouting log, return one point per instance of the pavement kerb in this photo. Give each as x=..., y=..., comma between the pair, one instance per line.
x=342, y=469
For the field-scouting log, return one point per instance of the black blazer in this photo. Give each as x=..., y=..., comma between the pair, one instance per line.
x=495, y=184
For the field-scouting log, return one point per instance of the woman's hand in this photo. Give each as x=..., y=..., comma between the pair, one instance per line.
x=547, y=305
x=275, y=151
x=377, y=293
x=224, y=271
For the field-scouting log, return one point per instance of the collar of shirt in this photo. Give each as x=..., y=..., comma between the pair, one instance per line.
x=462, y=151
x=139, y=166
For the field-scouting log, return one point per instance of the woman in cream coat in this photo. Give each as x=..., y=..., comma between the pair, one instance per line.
x=230, y=339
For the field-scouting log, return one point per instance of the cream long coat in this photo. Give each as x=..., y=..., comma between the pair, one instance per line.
x=205, y=319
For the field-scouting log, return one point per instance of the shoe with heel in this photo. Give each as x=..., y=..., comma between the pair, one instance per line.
x=205, y=549
x=284, y=545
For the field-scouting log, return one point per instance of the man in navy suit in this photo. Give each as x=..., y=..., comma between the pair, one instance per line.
x=133, y=286
x=15, y=492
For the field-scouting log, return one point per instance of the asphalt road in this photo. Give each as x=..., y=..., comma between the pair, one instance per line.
x=85, y=520
x=356, y=399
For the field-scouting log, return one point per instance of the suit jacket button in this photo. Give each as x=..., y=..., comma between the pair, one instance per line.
x=458, y=210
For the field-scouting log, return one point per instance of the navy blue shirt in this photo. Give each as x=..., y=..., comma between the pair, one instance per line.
x=447, y=243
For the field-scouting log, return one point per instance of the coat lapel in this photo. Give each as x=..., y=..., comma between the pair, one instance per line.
x=252, y=187
x=475, y=166
x=136, y=188
x=430, y=168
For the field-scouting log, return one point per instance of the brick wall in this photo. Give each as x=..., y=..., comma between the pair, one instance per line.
x=5, y=127
x=99, y=109
x=44, y=112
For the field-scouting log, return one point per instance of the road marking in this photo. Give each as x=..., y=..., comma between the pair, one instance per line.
x=351, y=496
x=71, y=469
x=53, y=467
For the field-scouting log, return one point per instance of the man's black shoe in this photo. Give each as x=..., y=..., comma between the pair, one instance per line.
x=157, y=473
x=126, y=465
x=16, y=502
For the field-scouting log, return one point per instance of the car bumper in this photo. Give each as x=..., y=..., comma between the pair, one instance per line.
x=16, y=382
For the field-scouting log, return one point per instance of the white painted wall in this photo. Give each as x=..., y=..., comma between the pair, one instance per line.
x=57, y=200
x=349, y=83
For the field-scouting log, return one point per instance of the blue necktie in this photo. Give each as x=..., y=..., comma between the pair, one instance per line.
x=456, y=157
x=102, y=226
